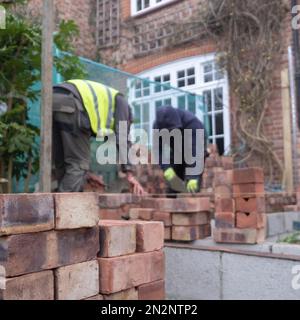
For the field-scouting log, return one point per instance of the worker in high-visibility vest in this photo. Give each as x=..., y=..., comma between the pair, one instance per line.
x=82, y=109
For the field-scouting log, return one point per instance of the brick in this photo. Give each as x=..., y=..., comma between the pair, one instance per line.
x=291, y=208
x=121, y=273
x=34, y=252
x=250, y=220
x=77, y=282
x=26, y=213
x=130, y=294
x=178, y=205
x=98, y=297
x=248, y=175
x=205, y=231
x=243, y=236
x=35, y=286
x=190, y=219
x=114, y=201
x=250, y=190
x=224, y=205
x=223, y=178
x=117, y=238
x=168, y=233
x=191, y=233
x=111, y=214
x=223, y=192
x=150, y=236
x=250, y=205
x=152, y=291
x=261, y=235
x=227, y=163
x=141, y=213
x=164, y=217
x=76, y=210
x=225, y=220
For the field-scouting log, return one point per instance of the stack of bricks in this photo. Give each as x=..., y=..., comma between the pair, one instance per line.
x=131, y=260
x=185, y=219
x=50, y=247
x=240, y=207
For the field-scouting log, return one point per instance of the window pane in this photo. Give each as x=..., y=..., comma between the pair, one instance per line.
x=221, y=145
x=219, y=124
x=146, y=92
x=139, y=5
x=168, y=102
x=191, y=71
x=147, y=3
x=219, y=74
x=218, y=98
x=167, y=86
x=191, y=81
x=208, y=68
x=138, y=85
x=157, y=79
x=137, y=113
x=146, y=112
x=181, y=83
x=207, y=100
x=158, y=104
x=180, y=74
x=166, y=78
x=157, y=88
x=192, y=104
x=138, y=93
x=210, y=125
x=208, y=77
x=146, y=83
x=181, y=102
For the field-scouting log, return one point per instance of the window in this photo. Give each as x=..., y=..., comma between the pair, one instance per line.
x=161, y=103
x=138, y=6
x=212, y=72
x=186, y=77
x=187, y=102
x=141, y=116
x=142, y=88
x=164, y=83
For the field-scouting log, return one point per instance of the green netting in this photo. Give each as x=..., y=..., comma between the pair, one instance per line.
x=143, y=95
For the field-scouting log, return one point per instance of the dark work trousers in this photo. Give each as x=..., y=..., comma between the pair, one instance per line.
x=71, y=141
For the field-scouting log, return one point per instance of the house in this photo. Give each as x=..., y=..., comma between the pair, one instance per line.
x=160, y=41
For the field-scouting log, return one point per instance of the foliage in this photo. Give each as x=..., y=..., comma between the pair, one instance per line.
x=292, y=239
x=20, y=70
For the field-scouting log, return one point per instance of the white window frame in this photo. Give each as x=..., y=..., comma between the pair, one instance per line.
x=153, y=5
x=198, y=88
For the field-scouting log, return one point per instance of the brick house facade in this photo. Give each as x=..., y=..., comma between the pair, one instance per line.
x=134, y=35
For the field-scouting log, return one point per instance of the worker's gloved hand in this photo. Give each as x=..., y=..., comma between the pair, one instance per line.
x=169, y=174
x=193, y=186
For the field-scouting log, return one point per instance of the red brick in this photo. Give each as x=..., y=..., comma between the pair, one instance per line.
x=249, y=175
x=98, y=297
x=223, y=192
x=35, y=286
x=77, y=281
x=111, y=214
x=205, y=231
x=76, y=210
x=243, y=236
x=118, y=274
x=261, y=235
x=251, y=190
x=227, y=163
x=248, y=220
x=250, y=205
x=225, y=220
x=117, y=238
x=224, y=205
x=152, y=291
x=150, y=236
x=178, y=205
x=130, y=294
x=141, y=213
x=114, y=201
x=34, y=252
x=168, y=233
x=223, y=178
x=190, y=219
x=165, y=217
x=191, y=233
x=26, y=213
x=290, y=208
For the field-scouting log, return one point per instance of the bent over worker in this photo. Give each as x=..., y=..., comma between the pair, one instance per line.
x=170, y=118
x=82, y=109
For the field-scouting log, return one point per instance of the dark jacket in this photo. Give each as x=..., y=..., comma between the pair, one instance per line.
x=171, y=118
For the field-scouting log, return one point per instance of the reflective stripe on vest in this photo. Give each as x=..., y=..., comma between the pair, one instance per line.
x=99, y=102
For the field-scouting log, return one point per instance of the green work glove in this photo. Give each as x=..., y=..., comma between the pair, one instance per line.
x=169, y=174
x=193, y=186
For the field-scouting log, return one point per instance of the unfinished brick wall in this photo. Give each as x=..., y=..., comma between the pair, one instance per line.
x=240, y=207
x=53, y=247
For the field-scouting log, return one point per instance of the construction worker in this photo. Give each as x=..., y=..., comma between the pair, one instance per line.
x=170, y=118
x=82, y=109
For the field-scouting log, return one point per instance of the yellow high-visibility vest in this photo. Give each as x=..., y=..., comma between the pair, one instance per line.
x=99, y=102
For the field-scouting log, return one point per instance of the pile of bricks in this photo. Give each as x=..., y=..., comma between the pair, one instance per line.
x=240, y=207
x=185, y=218
x=281, y=202
x=50, y=246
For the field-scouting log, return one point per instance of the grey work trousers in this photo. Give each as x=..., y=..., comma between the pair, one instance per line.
x=71, y=142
